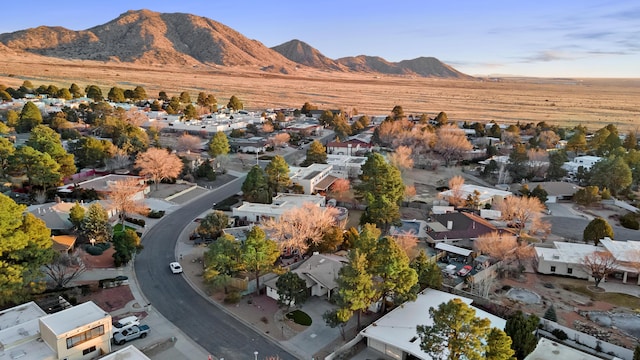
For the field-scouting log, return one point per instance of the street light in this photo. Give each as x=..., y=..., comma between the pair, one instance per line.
x=255, y=354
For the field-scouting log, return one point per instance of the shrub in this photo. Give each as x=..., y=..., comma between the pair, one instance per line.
x=93, y=250
x=559, y=334
x=139, y=222
x=103, y=245
x=629, y=221
x=155, y=214
x=233, y=297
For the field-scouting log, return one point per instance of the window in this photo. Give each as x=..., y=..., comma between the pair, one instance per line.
x=553, y=269
x=89, y=350
x=569, y=271
x=85, y=336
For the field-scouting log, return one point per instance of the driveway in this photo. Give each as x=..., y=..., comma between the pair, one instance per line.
x=200, y=319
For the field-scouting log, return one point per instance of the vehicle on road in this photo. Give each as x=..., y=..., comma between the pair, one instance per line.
x=465, y=270
x=136, y=331
x=175, y=267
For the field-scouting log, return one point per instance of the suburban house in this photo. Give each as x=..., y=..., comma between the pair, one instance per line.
x=346, y=166
x=416, y=228
x=486, y=195
x=253, y=145
x=80, y=332
x=394, y=335
x=319, y=272
x=456, y=226
x=56, y=215
x=102, y=185
x=349, y=147
x=304, y=129
x=565, y=259
x=313, y=178
x=556, y=190
x=283, y=202
x=64, y=244
x=585, y=162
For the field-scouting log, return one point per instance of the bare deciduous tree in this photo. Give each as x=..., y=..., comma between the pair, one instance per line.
x=339, y=188
x=451, y=143
x=409, y=192
x=504, y=247
x=135, y=117
x=401, y=158
x=518, y=211
x=158, y=165
x=599, y=264
x=548, y=139
x=189, y=142
x=280, y=139
x=267, y=127
x=455, y=186
x=63, y=269
x=120, y=160
x=122, y=197
x=538, y=162
x=300, y=227
x=409, y=243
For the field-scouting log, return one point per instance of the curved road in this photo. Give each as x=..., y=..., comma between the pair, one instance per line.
x=573, y=227
x=204, y=322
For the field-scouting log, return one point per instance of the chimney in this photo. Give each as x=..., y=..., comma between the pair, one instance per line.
x=450, y=225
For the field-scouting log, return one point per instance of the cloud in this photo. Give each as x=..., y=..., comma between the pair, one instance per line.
x=492, y=65
x=547, y=56
x=591, y=35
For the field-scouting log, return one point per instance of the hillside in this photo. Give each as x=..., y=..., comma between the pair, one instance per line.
x=150, y=38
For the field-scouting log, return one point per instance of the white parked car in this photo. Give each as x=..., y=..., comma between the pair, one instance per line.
x=175, y=267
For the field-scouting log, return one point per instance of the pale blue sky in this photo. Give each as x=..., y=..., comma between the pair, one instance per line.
x=589, y=38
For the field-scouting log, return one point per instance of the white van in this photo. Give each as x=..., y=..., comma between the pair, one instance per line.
x=125, y=323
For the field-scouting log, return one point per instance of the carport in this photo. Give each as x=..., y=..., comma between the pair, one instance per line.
x=454, y=250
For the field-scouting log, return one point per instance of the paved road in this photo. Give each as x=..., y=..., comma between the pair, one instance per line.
x=573, y=227
x=204, y=322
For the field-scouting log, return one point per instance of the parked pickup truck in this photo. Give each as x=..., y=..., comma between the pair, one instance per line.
x=132, y=333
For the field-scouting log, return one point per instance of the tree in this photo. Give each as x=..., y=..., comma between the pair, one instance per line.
x=162, y=95
x=630, y=141
x=519, y=211
x=222, y=261
x=75, y=90
x=390, y=265
x=429, y=274
x=76, y=215
x=212, y=224
x=355, y=287
x=30, y=117
x=397, y=113
x=599, y=264
x=456, y=332
x=636, y=353
x=184, y=98
x=341, y=127
x=383, y=189
x=94, y=92
x=91, y=152
x=451, y=143
x=540, y=193
x=39, y=168
x=116, y=94
x=548, y=139
x=219, y=145
x=316, y=154
x=522, y=329
x=235, y=104
x=122, y=197
x=442, y=119
x=339, y=188
x=556, y=161
x=277, y=172
x=291, y=289
x=95, y=225
x=473, y=200
x=255, y=187
x=46, y=140
x=139, y=93
x=612, y=173
x=258, y=254
x=301, y=227
x=188, y=142
x=597, y=229
x=158, y=165
x=587, y=196
x=190, y=112
x=5, y=96
x=125, y=244
x=306, y=108
x=401, y=158
x=24, y=249
x=500, y=246
x=6, y=154
x=63, y=269
x=498, y=346
x=455, y=186
x=550, y=314
x=333, y=320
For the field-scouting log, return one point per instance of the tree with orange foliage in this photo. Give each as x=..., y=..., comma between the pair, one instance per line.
x=518, y=211
x=455, y=186
x=504, y=247
x=401, y=158
x=299, y=227
x=158, y=164
x=122, y=197
x=339, y=188
x=188, y=142
x=451, y=143
x=599, y=264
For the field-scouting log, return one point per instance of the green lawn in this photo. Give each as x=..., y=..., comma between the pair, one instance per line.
x=617, y=299
x=118, y=228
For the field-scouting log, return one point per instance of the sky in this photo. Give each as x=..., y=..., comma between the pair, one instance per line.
x=542, y=38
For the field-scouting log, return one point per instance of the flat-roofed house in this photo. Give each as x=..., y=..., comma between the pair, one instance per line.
x=313, y=178
x=256, y=212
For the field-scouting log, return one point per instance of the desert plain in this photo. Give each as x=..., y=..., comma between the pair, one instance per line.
x=563, y=101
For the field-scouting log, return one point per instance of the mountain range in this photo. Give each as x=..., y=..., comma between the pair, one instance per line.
x=152, y=38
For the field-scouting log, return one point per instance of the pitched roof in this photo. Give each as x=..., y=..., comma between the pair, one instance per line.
x=463, y=226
